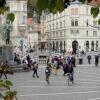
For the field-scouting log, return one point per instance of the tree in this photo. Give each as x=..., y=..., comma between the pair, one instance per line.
x=54, y=6
x=8, y=95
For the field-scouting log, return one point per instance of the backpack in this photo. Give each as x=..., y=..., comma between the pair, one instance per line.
x=70, y=68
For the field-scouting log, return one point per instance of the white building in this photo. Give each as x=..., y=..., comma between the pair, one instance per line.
x=19, y=33
x=73, y=29
x=33, y=29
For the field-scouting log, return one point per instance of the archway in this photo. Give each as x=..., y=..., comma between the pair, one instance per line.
x=87, y=45
x=92, y=46
x=74, y=46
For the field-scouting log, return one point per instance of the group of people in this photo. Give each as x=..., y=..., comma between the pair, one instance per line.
x=67, y=64
x=96, y=59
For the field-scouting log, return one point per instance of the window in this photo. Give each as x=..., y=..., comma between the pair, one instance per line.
x=92, y=46
x=76, y=22
x=87, y=22
x=96, y=45
x=87, y=33
x=64, y=23
x=50, y=27
x=56, y=34
x=57, y=25
x=24, y=7
x=53, y=26
x=72, y=22
x=53, y=35
x=23, y=19
x=76, y=10
x=50, y=17
x=72, y=11
x=60, y=24
x=74, y=32
x=94, y=33
x=64, y=33
x=95, y=23
x=61, y=34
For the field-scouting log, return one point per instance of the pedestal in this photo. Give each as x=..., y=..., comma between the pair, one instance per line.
x=6, y=53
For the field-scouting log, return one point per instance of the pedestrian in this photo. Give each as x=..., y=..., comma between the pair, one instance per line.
x=96, y=60
x=65, y=68
x=73, y=61
x=70, y=73
x=3, y=70
x=47, y=74
x=35, y=68
x=29, y=61
x=55, y=66
x=89, y=59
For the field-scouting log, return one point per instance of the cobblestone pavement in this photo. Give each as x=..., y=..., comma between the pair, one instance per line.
x=86, y=86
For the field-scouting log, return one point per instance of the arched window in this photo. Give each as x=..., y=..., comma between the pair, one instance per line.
x=76, y=10
x=87, y=45
x=57, y=25
x=92, y=46
x=76, y=22
x=72, y=22
x=53, y=48
x=72, y=11
x=57, y=47
x=96, y=45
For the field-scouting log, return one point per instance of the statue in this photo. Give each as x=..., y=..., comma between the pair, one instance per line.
x=7, y=30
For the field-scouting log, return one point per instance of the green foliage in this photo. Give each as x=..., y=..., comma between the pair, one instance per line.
x=51, y=6
x=8, y=95
x=3, y=9
x=95, y=11
x=60, y=5
x=99, y=21
x=8, y=82
x=83, y=1
x=42, y=5
x=10, y=17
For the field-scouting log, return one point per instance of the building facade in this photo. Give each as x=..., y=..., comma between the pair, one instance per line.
x=43, y=31
x=19, y=33
x=33, y=35
x=74, y=29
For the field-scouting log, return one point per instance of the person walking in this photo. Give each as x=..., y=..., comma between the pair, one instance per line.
x=89, y=59
x=35, y=68
x=29, y=61
x=3, y=70
x=96, y=60
x=73, y=60
x=70, y=72
x=47, y=74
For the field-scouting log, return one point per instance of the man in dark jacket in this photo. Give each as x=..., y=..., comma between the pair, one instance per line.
x=96, y=60
x=71, y=72
x=89, y=59
x=35, y=68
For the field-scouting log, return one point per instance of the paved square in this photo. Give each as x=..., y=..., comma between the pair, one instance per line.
x=86, y=87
